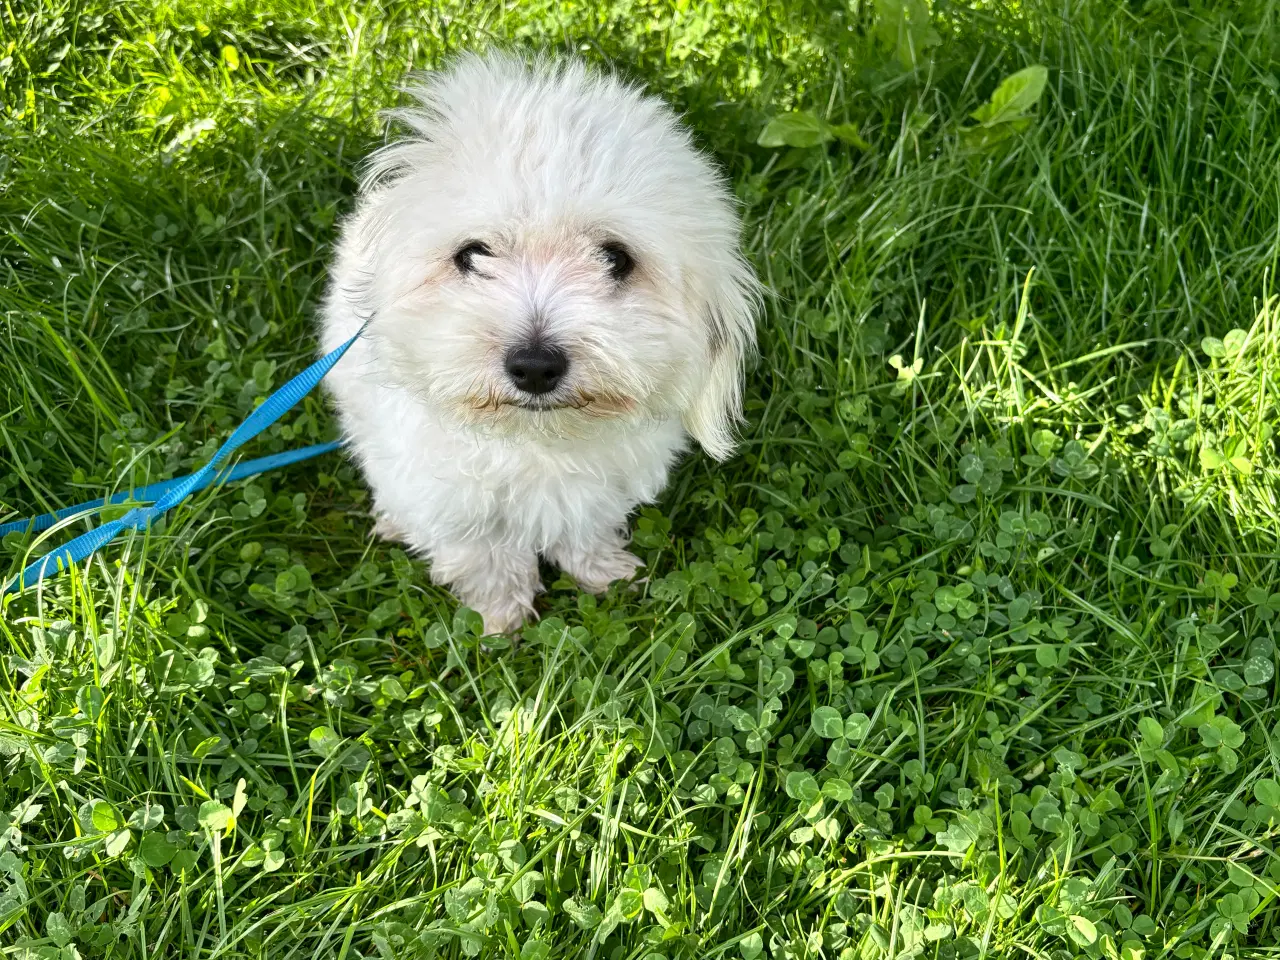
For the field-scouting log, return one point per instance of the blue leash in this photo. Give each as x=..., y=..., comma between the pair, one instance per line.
x=169, y=493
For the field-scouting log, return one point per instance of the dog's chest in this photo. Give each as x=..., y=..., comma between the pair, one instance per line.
x=552, y=486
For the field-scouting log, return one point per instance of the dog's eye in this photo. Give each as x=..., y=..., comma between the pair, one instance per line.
x=618, y=260
x=464, y=259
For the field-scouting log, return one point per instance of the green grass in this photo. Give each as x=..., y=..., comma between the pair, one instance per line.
x=970, y=653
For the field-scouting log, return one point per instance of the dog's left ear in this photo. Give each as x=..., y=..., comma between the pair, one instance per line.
x=726, y=303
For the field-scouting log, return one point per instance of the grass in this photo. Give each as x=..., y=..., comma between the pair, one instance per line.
x=970, y=653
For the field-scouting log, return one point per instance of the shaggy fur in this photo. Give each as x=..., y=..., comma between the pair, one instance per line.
x=494, y=226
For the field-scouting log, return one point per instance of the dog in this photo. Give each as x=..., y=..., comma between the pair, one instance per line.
x=555, y=301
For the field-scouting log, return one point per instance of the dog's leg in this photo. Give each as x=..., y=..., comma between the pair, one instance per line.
x=496, y=581
x=597, y=562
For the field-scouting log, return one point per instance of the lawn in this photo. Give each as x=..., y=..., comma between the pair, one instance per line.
x=970, y=652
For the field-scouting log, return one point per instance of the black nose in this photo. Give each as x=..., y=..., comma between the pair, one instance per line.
x=537, y=368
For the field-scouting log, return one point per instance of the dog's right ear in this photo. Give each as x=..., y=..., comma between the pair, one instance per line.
x=727, y=304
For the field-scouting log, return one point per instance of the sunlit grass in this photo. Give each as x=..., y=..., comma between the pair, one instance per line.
x=969, y=653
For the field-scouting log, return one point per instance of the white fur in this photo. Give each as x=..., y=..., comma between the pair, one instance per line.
x=542, y=163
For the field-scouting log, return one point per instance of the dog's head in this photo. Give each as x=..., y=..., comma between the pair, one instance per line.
x=549, y=249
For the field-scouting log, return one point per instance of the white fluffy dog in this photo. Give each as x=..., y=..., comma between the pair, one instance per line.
x=555, y=300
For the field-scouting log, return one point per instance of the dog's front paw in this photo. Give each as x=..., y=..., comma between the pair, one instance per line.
x=384, y=528
x=595, y=571
x=499, y=584
x=505, y=618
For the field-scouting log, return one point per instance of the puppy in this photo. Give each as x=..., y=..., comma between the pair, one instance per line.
x=555, y=301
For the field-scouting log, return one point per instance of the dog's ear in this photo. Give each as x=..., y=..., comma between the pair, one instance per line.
x=726, y=303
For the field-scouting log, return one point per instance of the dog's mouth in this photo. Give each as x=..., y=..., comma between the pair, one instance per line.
x=600, y=403
x=543, y=406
